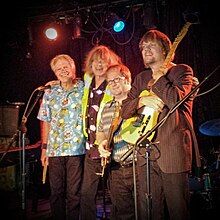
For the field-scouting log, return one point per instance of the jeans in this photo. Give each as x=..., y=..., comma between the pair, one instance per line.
x=122, y=193
x=65, y=176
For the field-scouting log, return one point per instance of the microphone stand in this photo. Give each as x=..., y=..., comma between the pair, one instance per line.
x=23, y=131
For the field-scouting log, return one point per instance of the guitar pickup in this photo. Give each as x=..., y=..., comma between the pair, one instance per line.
x=138, y=121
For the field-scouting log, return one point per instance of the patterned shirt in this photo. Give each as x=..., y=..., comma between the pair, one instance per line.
x=120, y=146
x=95, y=98
x=62, y=109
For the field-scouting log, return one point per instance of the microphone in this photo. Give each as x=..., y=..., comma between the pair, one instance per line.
x=42, y=88
x=15, y=103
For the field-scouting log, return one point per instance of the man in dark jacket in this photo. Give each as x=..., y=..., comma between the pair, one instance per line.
x=159, y=88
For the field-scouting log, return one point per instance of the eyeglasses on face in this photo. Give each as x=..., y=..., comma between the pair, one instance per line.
x=115, y=80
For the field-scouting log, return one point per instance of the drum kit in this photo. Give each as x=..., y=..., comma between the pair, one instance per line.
x=210, y=178
x=205, y=189
x=211, y=128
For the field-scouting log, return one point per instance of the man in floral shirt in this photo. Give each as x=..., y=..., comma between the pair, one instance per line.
x=63, y=142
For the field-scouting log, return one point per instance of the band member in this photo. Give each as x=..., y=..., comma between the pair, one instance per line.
x=96, y=94
x=111, y=144
x=160, y=87
x=63, y=142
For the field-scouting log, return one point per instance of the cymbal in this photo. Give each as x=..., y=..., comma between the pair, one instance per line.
x=211, y=128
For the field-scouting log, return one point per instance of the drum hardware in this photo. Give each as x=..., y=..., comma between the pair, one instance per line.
x=211, y=127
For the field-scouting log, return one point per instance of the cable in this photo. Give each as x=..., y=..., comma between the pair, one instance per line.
x=206, y=92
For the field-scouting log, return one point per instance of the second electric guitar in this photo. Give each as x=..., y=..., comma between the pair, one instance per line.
x=114, y=125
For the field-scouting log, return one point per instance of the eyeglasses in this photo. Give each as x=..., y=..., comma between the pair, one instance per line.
x=115, y=80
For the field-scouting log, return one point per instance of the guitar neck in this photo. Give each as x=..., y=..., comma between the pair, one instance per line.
x=176, y=42
x=109, y=138
x=113, y=127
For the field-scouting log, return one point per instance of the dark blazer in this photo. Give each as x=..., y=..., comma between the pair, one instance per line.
x=176, y=136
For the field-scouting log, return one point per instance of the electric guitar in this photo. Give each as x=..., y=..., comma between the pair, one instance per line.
x=135, y=127
x=114, y=125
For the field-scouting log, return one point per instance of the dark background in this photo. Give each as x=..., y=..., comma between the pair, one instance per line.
x=25, y=53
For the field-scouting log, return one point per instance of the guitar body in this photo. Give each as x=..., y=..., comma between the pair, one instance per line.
x=132, y=129
x=130, y=133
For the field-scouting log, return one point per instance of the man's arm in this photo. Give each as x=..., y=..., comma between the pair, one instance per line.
x=45, y=128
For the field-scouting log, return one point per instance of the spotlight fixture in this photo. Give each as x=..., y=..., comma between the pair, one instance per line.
x=118, y=26
x=51, y=33
x=115, y=23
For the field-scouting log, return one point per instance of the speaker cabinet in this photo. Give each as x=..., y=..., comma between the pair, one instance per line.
x=9, y=116
x=8, y=178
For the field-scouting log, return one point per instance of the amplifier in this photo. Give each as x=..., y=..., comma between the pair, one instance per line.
x=9, y=116
x=8, y=178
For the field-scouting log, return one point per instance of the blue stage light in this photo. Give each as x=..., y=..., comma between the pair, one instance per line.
x=118, y=26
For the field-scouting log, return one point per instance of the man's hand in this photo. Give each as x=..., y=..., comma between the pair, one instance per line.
x=151, y=101
x=195, y=82
x=102, y=151
x=44, y=158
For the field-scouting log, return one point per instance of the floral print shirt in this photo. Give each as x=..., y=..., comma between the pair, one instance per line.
x=62, y=109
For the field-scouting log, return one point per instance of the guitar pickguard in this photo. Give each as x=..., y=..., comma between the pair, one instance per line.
x=131, y=133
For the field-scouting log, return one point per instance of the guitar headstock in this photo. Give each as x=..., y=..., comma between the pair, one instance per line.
x=191, y=18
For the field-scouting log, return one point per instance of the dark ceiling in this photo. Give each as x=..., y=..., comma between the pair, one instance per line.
x=27, y=12
x=33, y=8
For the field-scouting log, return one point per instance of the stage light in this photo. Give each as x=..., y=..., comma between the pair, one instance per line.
x=118, y=26
x=51, y=33
x=114, y=23
x=52, y=30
